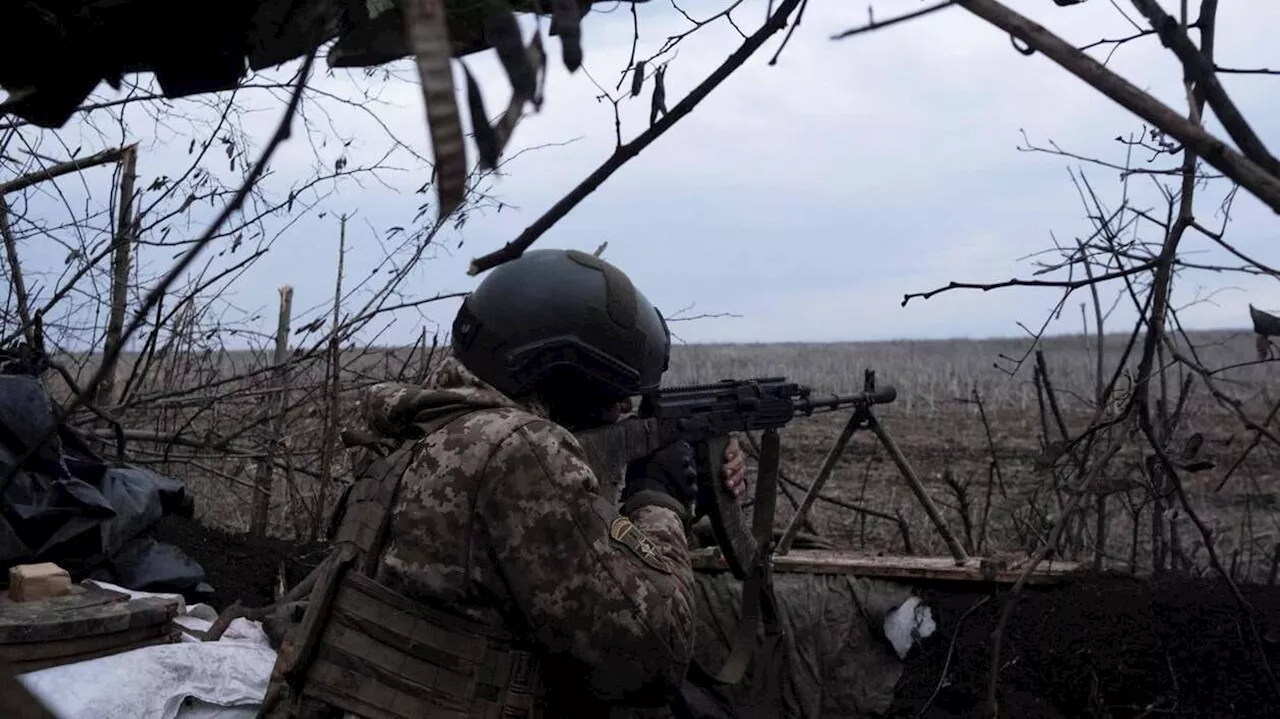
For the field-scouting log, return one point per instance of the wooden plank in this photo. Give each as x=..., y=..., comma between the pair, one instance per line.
x=827, y=561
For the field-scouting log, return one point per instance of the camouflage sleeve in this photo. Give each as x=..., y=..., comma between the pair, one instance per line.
x=611, y=591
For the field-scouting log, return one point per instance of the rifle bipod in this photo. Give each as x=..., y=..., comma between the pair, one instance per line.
x=862, y=417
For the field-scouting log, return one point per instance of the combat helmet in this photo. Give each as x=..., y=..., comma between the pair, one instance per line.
x=566, y=318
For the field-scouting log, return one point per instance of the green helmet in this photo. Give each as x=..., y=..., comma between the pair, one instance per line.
x=566, y=319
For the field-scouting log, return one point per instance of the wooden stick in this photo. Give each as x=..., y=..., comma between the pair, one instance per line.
x=105, y=157
x=238, y=610
x=121, y=261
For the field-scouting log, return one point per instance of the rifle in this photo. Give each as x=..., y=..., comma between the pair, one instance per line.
x=704, y=416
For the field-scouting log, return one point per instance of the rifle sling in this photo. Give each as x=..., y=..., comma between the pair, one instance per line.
x=758, y=599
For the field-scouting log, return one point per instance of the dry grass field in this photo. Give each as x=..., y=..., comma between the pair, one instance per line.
x=967, y=418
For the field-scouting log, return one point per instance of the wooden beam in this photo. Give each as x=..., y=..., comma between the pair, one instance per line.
x=826, y=561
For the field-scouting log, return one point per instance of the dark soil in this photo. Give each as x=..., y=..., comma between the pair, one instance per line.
x=1101, y=647
x=240, y=567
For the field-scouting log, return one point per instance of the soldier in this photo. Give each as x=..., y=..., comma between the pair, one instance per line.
x=487, y=575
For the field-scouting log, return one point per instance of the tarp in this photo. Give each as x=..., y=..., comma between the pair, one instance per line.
x=191, y=679
x=66, y=505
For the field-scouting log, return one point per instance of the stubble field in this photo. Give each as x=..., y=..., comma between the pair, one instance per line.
x=967, y=418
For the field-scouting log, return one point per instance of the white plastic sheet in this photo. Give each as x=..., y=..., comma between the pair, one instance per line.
x=191, y=679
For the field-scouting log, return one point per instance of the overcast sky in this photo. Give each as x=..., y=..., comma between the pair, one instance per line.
x=806, y=197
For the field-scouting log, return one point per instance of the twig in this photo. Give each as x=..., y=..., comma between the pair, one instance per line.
x=105, y=157
x=1199, y=68
x=15, y=273
x=1069, y=285
x=1051, y=541
x=1244, y=171
x=334, y=378
x=946, y=663
x=873, y=24
x=623, y=154
x=110, y=357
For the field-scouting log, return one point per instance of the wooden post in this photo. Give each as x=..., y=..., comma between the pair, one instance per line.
x=15, y=274
x=333, y=380
x=120, y=263
x=263, y=484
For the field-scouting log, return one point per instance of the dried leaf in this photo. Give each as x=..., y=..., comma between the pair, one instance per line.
x=427, y=38
x=566, y=19
x=507, y=124
x=1192, y=447
x=637, y=78
x=539, y=59
x=503, y=32
x=486, y=142
x=659, y=103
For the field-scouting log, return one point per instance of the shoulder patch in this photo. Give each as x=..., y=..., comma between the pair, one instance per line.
x=625, y=532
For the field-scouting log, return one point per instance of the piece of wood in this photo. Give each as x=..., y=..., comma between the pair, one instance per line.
x=826, y=561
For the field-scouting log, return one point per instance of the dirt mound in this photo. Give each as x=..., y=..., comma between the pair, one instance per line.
x=1104, y=647
x=239, y=566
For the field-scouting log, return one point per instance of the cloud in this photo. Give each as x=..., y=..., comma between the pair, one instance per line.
x=807, y=196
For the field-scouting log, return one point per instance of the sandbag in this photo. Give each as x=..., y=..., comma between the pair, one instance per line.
x=64, y=504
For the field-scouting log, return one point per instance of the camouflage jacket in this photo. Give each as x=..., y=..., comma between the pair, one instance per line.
x=501, y=519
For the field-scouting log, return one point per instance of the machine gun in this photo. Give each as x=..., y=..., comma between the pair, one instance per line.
x=705, y=416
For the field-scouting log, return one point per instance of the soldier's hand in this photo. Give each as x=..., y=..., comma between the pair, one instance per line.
x=671, y=469
x=735, y=468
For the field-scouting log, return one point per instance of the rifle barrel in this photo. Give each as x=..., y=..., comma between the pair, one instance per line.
x=810, y=405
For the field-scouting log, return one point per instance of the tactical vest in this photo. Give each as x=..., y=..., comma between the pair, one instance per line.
x=364, y=649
